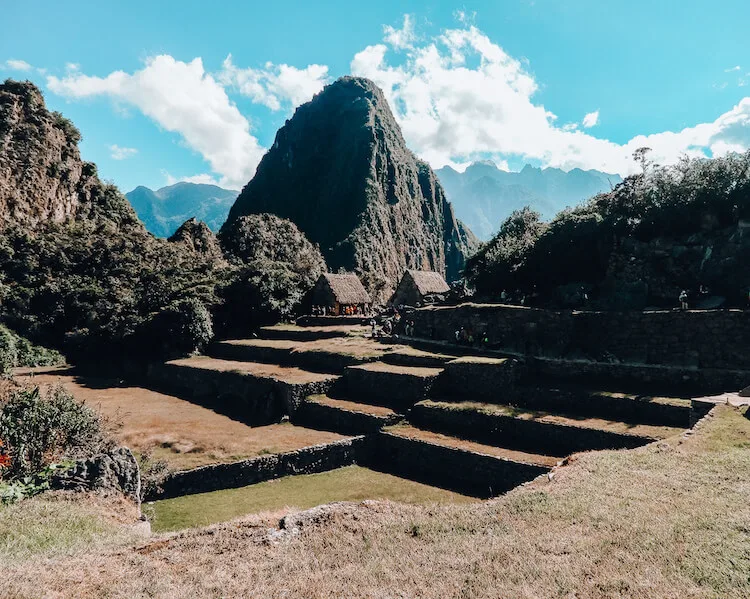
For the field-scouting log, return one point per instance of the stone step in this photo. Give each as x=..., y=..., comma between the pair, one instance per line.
x=536, y=431
x=405, y=355
x=450, y=462
x=391, y=385
x=294, y=332
x=601, y=403
x=322, y=355
x=344, y=416
x=252, y=392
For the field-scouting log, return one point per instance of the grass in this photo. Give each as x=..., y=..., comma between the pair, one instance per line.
x=588, y=422
x=352, y=483
x=666, y=521
x=183, y=434
x=56, y=524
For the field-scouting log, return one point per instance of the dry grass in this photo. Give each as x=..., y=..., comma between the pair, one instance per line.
x=287, y=374
x=665, y=521
x=351, y=406
x=184, y=434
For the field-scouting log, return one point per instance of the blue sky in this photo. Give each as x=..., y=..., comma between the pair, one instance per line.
x=575, y=83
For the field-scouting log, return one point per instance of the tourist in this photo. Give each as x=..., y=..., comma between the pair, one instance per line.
x=372, y=325
x=683, y=299
x=503, y=296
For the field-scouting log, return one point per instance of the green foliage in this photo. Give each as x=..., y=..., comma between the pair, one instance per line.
x=8, y=351
x=41, y=429
x=90, y=287
x=72, y=134
x=28, y=486
x=692, y=196
x=496, y=265
x=181, y=328
x=275, y=265
x=18, y=351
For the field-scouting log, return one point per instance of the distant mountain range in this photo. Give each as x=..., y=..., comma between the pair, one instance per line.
x=484, y=195
x=164, y=210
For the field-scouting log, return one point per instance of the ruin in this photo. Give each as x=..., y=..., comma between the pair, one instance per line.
x=477, y=419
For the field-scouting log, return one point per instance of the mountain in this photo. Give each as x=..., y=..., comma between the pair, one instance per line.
x=340, y=170
x=164, y=210
x=42, y=176
x=484, y=195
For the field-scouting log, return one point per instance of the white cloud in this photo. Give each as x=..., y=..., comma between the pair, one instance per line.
x=275, y=86
x=119, y=153
x=72, y=66
x=17, y=65
x=182, y=98
x=204, y=178
x=591, y=119
x=734, y=68
x=403, y=38
x=451, y=112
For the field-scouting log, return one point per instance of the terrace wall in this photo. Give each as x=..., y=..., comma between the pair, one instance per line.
x=214, y=477
x=718, y=339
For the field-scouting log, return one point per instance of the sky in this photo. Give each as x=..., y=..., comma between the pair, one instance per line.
x=168, y=91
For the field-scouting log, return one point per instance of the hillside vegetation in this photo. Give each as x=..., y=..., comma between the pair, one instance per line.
x=81, y=274
x=671, y=228
x=668, y=520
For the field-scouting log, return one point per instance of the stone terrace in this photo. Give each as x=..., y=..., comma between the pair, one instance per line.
x=478, y=424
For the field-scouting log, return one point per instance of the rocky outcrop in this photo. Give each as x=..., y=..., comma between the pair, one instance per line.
x=197, y=237
x=42, y=176
x=115, y=471
x=340, y=170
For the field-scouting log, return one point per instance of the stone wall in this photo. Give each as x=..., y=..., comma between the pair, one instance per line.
x=531, y=435
x=214, y=477
x=459, y=470
x=252, y=399
x=718, y=339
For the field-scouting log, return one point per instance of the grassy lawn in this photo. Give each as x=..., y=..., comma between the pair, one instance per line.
x=670, y=520
x=352, y=483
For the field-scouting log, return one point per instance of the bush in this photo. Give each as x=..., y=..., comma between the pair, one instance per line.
x=179, y=329
x=8, y=351
x=41, y=429
x=692, y=196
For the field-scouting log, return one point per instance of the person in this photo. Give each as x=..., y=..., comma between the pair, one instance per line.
x=457, y=334
x=485, y=339
x=683, y=300
x=372, y=325
x=503, y=296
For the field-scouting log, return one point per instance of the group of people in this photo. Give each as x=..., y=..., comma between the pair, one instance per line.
x=465, y=336
x=344, y=311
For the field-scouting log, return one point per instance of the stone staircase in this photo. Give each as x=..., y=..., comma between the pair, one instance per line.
x=475, y=424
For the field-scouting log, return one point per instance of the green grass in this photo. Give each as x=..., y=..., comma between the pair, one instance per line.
x=49, y=526
x=352, y=483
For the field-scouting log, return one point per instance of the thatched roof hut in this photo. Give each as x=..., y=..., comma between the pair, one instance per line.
x=336, y=291
x=415, y=285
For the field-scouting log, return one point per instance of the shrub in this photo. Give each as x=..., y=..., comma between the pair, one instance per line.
x=41, y=429
x=182, y=328
x=8, y=351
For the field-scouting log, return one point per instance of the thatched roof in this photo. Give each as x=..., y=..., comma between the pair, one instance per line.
x=428, y=282
x=346, y=288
